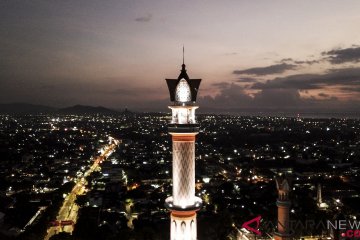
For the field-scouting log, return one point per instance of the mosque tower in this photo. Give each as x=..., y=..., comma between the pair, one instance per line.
x=319, y=197
x=320, y=203
x=283, y=203
x=183, y=128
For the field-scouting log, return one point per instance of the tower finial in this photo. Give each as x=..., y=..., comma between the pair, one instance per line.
x=183, y=54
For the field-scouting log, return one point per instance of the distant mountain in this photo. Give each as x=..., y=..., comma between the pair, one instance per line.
x=24, y=108
x=82, y=109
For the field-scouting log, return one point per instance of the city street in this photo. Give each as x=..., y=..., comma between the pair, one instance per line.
x=69, y=209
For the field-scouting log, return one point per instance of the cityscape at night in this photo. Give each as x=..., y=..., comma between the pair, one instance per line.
x=237, y=159
x=181, y=120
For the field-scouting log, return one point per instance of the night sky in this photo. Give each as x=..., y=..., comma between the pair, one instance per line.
x=250, y=54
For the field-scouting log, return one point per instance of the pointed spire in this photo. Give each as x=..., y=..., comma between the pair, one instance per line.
x=183, y=55
x=183, y=69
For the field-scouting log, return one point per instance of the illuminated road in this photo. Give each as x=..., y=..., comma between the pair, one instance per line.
x=69, y=209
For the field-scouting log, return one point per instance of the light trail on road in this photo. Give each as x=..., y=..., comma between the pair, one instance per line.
x=69, y=209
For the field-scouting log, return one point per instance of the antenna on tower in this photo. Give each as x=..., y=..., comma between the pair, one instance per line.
x=183, y=54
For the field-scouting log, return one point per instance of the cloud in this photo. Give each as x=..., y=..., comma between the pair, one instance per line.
x=333, y=77
x=146, y=18
x=221, y=84
x=246, y=80
x=294, y=91
x=324, y=95
x=285, y=60
x=273, y=69
x=309, y=62
x=338, y=56
x=278, y=98
x=230, y=96
x=299, y=62
x=351, y=89
x=334, y=56
x=298, y=81
x=234, y=98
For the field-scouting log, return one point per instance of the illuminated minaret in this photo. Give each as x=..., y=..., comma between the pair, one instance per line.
x=183, y=128
x=322, y=205
x=319, y=197
x=283, y=203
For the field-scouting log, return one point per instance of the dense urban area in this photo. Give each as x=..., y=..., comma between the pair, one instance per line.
x=96, y=176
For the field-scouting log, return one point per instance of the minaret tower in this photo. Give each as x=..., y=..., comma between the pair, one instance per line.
x=319, y=197
x=283, y=203
x=183, y=128
x=322, y=205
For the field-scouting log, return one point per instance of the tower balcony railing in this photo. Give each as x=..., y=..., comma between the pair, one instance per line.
x=183, y=128
x=194, y=206
x=175, y=120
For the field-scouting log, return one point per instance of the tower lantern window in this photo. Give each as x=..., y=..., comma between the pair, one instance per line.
x=183, y=93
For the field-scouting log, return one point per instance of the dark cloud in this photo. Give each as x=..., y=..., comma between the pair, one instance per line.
x=231, y=96
x=324, y=95
x=246, y=80
x=285, y=60
x=298, y=62
x=309, y=62
x=338, y=56
x=234, y=97
x=284, y=92
x=279, y=98
x=273, y=69
x=146, y=18
x=351, y=89
x=299, y=81
x=221, y=85
x=347, y=71
x=342, y=77
x=335, y=56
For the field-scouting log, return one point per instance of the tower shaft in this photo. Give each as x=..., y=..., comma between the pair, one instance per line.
x=183, y=169
x=319, y=197
x=283, y=221
x=183, y=204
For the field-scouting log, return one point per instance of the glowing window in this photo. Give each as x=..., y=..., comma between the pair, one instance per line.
x=183, y=93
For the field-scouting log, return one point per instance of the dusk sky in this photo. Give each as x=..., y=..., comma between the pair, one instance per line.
x=250, y=54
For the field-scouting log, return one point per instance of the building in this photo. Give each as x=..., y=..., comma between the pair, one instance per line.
x=283, y=203
x=183, y=128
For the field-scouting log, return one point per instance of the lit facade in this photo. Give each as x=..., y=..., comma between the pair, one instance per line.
x=183, y=128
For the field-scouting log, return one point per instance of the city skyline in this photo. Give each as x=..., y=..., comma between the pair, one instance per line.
x=107, y=177
x=277, y=55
